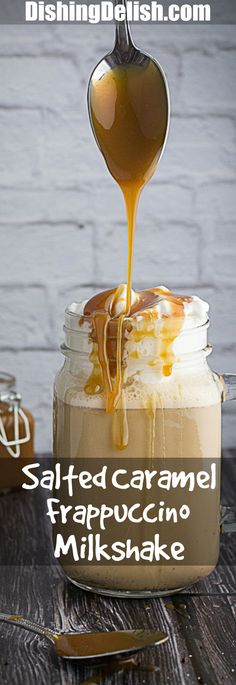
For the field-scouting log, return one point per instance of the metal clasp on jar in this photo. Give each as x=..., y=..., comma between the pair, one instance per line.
x=13, y=401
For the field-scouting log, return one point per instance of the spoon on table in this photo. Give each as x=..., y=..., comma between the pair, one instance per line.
x=91, y=645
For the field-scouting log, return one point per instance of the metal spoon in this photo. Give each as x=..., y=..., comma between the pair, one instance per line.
x=92, y=645
x=126, y=52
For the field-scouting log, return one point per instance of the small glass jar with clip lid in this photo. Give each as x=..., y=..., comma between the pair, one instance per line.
x=16, y=434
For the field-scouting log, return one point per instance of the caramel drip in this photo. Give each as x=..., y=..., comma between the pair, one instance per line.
x=120, y=429
x=94, y=384
x=131, y=195
x=151, y=408
x=101, y=322
x=117, y=386
x=109, y=331
x=170, y=330
x=107, y=335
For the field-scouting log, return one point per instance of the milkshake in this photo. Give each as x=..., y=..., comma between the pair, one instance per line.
x=166, y=404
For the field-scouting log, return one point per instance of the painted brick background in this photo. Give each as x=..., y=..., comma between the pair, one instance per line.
x=62, y=221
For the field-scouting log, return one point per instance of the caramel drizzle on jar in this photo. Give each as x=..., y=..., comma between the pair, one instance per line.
x=129, y=113
x=109, y=332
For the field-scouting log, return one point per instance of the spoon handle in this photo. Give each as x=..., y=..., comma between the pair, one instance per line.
x=28, y=625
x=123, y=40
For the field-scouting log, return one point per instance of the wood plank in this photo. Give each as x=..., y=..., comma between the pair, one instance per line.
x=89, y=611
x=210, y=633
x=24, y=657
x=228, y=477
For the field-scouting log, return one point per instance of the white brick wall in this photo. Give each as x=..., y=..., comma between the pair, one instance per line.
x=61, y=214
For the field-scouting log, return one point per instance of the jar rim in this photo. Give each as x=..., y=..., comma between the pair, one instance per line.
x=7, y=379
x=88, y=319
x=191, y=336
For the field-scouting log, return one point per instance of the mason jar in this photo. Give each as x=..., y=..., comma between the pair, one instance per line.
x=160, y=418
x=16, y=434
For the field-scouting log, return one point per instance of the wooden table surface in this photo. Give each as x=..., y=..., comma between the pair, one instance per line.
x=200, y=622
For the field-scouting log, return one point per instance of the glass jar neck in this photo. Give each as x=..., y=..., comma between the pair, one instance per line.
x=190, y=346
x=7, y=382
x=76, y=361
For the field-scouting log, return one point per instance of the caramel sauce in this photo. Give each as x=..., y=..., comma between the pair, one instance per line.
x=109, y=332
x=129, y=112
x=119, y=666
x=91, y=644
x=100, y=644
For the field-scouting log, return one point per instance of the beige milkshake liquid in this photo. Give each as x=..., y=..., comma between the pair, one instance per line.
x=192, y=432
x=187, y=426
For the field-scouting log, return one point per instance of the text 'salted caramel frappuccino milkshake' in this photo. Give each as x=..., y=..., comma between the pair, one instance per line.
x=140, y=387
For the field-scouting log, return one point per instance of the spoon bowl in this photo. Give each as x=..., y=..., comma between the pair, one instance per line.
x=126, y=55
x=87, y=646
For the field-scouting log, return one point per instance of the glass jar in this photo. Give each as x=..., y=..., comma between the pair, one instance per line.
x=177, y=417
x=16, y=434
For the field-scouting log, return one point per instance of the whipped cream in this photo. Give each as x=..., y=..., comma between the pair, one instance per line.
x=195, y=310
x=188, y=385
x=192, y=335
